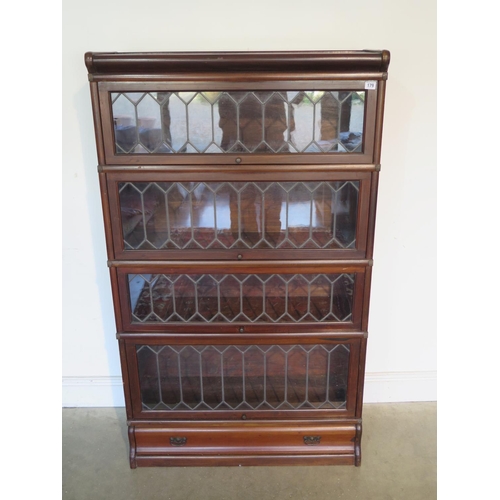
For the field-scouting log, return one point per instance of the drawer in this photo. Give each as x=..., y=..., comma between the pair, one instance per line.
x=241, y=297
x=233, y=438
x=259, y=216
x=227, y=378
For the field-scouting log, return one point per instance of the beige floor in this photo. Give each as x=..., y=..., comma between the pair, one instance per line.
x=398, y=447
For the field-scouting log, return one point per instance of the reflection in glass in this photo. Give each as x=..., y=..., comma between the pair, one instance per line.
x=238, y=122
x=223, y=215
x=254, y=377
x=249, y=298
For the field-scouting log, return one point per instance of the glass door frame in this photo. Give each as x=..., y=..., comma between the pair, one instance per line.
x=139, y=412
x=276, y=174
x=233, y=82
x=359, y=268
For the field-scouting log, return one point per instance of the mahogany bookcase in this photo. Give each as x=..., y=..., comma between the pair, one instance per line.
x=239, y=194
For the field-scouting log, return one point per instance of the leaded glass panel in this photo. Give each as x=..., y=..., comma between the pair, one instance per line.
x=239, y=215
x=249, y=298
x=238, y=122
x=235, y=377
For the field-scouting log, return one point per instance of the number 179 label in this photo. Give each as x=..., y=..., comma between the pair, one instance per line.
x=371, y=85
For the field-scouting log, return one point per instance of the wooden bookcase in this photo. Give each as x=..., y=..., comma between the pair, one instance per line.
x=239, y=194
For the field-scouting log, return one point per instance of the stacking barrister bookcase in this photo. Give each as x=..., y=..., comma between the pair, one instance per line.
x=239, y=194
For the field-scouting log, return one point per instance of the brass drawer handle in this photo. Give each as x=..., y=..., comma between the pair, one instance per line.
x=310, y=440
x=178, y=441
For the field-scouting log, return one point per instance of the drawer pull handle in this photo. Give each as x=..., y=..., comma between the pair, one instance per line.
x=310, y=440
x=238, y=160
x=178, y=441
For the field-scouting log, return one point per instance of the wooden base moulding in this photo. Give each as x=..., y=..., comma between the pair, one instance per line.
x=232, y=443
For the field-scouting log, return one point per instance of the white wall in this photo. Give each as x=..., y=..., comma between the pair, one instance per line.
x=401, y=360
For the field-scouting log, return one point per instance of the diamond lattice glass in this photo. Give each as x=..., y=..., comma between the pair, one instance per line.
x=225, y=215
x=238, y=122
x=235, y=377
x=249, y=298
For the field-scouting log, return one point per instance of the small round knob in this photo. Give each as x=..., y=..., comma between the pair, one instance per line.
x=243, y=417
x=240, y=256
x=241, y=329
x=238, y=160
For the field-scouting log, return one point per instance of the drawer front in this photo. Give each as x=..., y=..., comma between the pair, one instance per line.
x=157, y=216
x=213, y=298
x=231, y=438
x=161, y=123
x=243, y=381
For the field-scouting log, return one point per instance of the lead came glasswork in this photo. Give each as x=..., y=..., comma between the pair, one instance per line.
x=224, y=215
x=251, y=298
x=254, y=377
x=238, y=122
